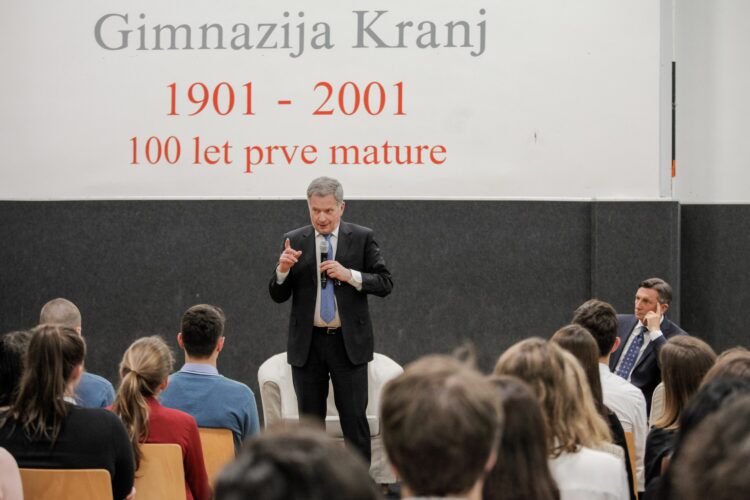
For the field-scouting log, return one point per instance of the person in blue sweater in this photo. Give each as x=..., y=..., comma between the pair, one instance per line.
x=93, y=391
x=199, y=389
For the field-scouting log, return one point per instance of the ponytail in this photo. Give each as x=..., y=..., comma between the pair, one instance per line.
x=53, y=354
x=145, y=365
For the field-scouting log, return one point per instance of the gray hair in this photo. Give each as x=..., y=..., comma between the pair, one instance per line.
x=663, y=290
x=323, y=186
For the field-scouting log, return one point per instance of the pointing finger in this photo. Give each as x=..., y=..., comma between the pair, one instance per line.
x=287, y=245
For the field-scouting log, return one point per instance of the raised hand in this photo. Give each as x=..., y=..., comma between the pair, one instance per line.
x=288, y=257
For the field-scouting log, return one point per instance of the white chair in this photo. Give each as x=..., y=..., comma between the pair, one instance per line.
x=280, y=403
x=657, y=404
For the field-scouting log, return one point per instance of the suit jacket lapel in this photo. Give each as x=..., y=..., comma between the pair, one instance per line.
x=308, y=247
x=342, y=247
x=626, y=330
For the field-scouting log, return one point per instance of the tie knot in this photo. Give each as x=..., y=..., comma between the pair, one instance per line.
x=644, y=330
x=328, y=237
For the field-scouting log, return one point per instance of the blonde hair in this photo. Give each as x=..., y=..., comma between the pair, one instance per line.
x=145, y=365
x=556, y=377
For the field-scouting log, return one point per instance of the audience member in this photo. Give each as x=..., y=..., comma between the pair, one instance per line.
x=12, y=352
x=684, y=362
x=43, y=430
x=708, y=400
x=144, y=372
x=578, y=341
x=619, y=395
x=521, y=471
x=574, y=427
x=733, y=362
x=295, y=463
x=199, y=389
x=714, y=458
x=441, y=423
x=642, y=335
x=93, y=391
x=10, y=478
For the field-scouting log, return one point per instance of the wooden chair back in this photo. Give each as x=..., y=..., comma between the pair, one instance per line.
x=218, y=450
x=81, y=484
x=630, y=440
x=161, y=475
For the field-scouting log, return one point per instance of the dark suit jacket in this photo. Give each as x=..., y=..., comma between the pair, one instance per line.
x=356, y=249
x=646, y=374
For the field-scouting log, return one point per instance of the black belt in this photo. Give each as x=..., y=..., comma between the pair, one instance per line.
x=327, y=330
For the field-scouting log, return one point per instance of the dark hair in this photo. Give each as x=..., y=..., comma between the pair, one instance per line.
x=600, y=319
x=684, y=362
x=295, y=463
x=734, y=362
x=61, y=312
x=580, y=343
x=12, y=352
x=522, y=468
x=713, y=459
x=202, y=327
x=53, y=353
x=663, y=290
x=441, y=422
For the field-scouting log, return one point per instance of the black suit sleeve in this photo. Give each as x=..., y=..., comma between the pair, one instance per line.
x=280, y=292
x=376, y=279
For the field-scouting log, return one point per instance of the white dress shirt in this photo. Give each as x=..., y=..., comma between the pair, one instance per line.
x=647, y=338
x=590, y=475
x=629, y=404
x=356, y=280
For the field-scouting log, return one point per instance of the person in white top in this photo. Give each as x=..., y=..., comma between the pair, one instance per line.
x=10, y=479
x=574, y=427
x=620, y=396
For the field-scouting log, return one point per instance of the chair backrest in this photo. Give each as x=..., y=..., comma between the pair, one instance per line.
x=630, y=440
x=218, y=450
x=657, y=404
x=280, y=402
x=161, y=475
x=81, y=484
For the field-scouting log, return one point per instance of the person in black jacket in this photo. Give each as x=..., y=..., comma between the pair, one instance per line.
x=328, y=269
x=44, y=429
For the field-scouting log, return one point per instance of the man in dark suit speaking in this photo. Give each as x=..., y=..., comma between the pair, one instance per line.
x=642, y=335
x=328, y=269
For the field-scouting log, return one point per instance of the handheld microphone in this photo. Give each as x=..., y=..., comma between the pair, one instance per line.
x=323, y=258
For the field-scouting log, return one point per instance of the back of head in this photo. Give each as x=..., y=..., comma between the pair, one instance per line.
x=734, y=362
x=441, y=423
x=560, y=385
x=202, y=327
x=714, y=458
x=12, y=353
x=600, y=319
x=684, y=362
x=580, y=343
x=522, y=468
x=145, y=365
x=295, y=463
x=60, y=312
x=53, y=354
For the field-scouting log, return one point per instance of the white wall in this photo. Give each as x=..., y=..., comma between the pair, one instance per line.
x=713, y=101
x=563, y=103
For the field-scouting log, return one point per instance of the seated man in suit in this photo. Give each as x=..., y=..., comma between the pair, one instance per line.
x=92, y=391
x=198, y=389
x=441, y=424
x=642, y=336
